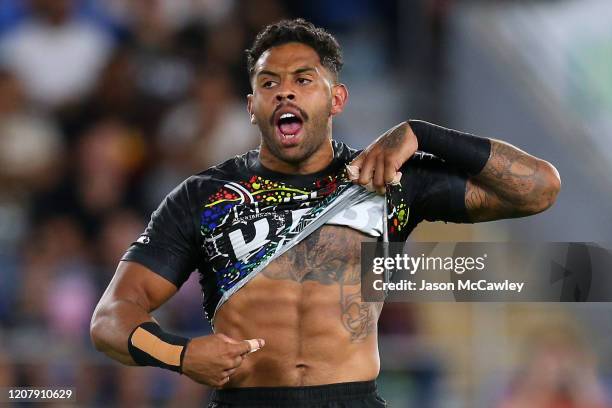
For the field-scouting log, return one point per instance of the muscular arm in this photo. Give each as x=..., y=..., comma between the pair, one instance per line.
x=134, y=292
x=511, y=184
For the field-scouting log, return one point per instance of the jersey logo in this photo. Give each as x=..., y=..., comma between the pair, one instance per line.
x=240, y=238
x=241, y=247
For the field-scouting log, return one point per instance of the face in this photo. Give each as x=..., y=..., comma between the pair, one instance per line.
x=294, y=99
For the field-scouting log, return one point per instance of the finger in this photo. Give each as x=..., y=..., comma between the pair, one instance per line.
x=390, y=170
x=235, y=347
x=255, y=344
x=226, y=339
x=248, y=346
x=379, y=173
x=241, y=348
x=370, y=187
x=352, y=172
x=358, y=161
x=235, y=362
x=229, y=372
x=365, y=174
x=223, y=381
x=397, y=179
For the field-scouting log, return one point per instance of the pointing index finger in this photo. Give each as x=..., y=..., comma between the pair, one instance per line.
x=253, y=345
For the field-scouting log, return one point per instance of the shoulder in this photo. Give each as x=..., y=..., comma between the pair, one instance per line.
x=230, y=168
x=233, y=169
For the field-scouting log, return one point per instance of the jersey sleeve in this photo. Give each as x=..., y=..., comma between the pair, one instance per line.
x=439, y=189
x=168, y=246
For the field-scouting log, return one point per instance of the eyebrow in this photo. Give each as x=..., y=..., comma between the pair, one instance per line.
x=266, y=72
x=300, y=70
x=303, y=69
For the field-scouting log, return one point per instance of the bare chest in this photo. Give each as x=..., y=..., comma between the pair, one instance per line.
x=330, y=255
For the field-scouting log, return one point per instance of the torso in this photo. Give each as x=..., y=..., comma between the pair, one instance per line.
x=307, y=306
x=233, y=219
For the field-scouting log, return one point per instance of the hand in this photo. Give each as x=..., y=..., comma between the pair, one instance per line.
x=380, y=162
x=212, y=359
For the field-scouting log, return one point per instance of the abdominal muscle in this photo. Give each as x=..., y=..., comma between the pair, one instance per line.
x=307, y=306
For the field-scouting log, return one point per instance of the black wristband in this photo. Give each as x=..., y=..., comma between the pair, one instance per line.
x=149, y=345
x=463, y=150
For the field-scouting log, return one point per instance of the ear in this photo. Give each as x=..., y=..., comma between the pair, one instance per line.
x=339, y=98
x=250, y=108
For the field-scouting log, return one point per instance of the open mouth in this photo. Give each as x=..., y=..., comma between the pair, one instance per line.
x=289, y=126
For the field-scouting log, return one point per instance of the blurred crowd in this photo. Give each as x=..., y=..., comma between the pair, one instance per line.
x=105, y=106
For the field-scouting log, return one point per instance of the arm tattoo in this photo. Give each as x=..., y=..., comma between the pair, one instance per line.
x=394, y=139
x=508, y=185
x=516, y=170
x=484, y=205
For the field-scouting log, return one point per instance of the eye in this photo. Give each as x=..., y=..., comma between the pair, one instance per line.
x=268, y=84
x=303, y=81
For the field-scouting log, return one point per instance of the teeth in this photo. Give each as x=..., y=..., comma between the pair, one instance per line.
x=287, y=115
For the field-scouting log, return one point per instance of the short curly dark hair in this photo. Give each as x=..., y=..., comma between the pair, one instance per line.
x=301, y=31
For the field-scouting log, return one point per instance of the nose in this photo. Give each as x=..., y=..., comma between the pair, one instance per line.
x=285, y=95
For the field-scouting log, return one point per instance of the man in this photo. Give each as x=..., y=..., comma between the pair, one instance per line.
x=276, y=234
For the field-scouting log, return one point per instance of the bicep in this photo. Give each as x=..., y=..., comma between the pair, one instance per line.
x=483, y=204
x=138, y=284
x=132, y=294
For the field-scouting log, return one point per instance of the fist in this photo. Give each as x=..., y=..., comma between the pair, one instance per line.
x=211, y=360
x=379, y=164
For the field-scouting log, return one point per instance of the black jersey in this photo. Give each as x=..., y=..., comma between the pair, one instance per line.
x=233, y=219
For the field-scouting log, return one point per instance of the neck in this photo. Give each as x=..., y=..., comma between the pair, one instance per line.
x=317, y=161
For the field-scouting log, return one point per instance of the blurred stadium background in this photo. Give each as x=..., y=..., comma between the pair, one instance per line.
x=105, y=105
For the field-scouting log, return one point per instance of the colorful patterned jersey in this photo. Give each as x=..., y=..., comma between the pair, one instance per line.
x=233, y=219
